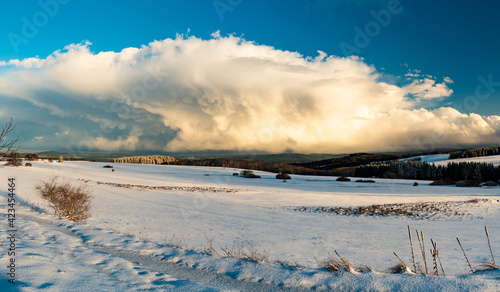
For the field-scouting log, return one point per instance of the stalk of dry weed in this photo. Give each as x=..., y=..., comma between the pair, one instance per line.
x=489, y=245
x=411, y=247
x=466, y=258
x=434, y=253
x=421, y=243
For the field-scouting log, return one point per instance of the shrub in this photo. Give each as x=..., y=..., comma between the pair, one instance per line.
x=489, y=184
x=343, y=178
x=107, y=166
x=28, y=164
x=14, y=160
x=61, y=159
x=467, y=183
x=68, y=201
x=443, y=182
x=50, y=160
x=283, y=176
x=249, y=174
x=31, y=157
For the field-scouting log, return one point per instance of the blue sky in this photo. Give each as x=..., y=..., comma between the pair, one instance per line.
x=439, y=39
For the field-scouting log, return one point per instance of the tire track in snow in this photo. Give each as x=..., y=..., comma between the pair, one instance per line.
x=160, y=264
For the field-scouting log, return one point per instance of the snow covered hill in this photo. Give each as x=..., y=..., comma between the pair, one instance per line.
x=429, y=158
x=127, y=244
x=443, y=159
x=494, y=159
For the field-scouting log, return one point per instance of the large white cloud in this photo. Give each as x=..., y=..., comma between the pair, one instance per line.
x=229, y=94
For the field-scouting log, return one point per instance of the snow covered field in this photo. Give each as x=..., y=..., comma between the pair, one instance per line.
x=121, y=247
x=429, y=158
x=444, y=159
x=494, y=159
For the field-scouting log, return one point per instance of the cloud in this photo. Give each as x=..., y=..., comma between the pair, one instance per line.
x=428, y=88
x=227, y=93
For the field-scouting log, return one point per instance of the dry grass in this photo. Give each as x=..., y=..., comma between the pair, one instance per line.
x=14, y=160
x=67, y=201
x=31, y=205
x=247, y=253
x=210, y=245
x=487, y=266
x=339, y=264
x=399, y=268
x=290, y=266
x=164, y=188
x=423, y=210
x=177, y=241
x=334, y=265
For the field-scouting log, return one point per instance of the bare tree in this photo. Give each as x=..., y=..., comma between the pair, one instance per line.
x=7, y=145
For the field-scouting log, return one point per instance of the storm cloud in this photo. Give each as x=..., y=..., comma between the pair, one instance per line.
x=227, y=93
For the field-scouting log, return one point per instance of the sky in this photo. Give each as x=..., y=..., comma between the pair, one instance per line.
x=307, y=76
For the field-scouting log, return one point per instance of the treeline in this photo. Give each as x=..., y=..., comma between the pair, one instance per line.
x=412, y=169
x=425, y=171
x=35, y=157
x=477, y=152
x=150, y=159
x=276, y=167
x=358, y=159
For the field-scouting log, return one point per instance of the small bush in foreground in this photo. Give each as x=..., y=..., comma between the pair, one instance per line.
x=68, y=201
x=28, y=164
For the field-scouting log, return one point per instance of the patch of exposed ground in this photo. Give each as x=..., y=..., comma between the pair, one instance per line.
x=164, y=188
x=424, y=210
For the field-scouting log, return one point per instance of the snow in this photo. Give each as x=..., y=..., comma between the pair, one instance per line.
x=494, y=159
x=122, y=246
x=429, y=158
x=444, y=159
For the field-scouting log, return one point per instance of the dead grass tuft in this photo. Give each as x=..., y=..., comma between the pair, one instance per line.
x=177, y=241
x=290, y=266
x=340, y=265
x=399, y=268
x=246, y=253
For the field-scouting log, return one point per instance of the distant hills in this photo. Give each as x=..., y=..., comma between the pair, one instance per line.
x=108, y=156
x=318, y=163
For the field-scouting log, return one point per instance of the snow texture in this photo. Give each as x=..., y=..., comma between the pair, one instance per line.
x=122, y=247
